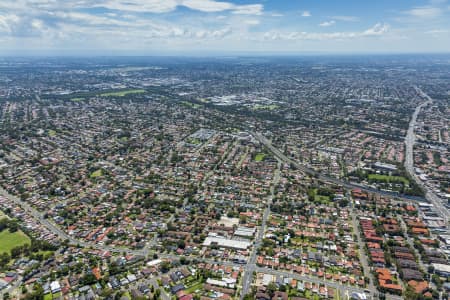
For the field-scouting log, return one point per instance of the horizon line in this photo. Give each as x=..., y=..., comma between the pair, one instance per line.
x=222, y=54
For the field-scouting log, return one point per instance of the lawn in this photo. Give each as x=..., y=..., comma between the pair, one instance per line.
x=10, y=240
x=48, y=296
x=46, y=254
x=193, y=288
x=122, y=93
x=190, y=104
x=265, y=107
x=322, y=199
x=387, y=178
x=51, y=133
x=97, y=173
x=260, y=157
x=194, y=141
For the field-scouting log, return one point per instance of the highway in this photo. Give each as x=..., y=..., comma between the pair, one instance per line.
x=410, y=140
x=277, y=153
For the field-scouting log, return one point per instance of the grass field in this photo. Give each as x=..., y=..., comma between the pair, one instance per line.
x=194, y=287
x=122, y=93
x=322, y=199
x=51, y=133
x=265, y=107
x=97, y=173
x=48, y=296
x=387, y=178
x=10, y=240
x=193, y=141
x=260, y=157
x=190, y=104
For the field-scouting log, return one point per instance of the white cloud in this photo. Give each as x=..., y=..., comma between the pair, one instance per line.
x=152, y=6
x=7, y=22
x=276, y=15
x=327, y=23
x=346, y=18
x=207, y=5
x=252, y=22
x=306, y=13
x=424, y=12
x=437, y=31
x=164, y=6
x=377, y=30
x=251, y=9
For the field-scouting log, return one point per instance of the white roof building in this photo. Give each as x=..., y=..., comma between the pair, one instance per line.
x=226, y=242
x=55, y=287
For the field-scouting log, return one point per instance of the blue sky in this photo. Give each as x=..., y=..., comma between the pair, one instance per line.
x=148, y=27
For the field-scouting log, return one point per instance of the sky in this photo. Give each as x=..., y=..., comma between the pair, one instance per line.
x=197, y=27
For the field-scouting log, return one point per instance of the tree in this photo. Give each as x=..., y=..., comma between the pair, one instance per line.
x=271, y=288
x=343, y=203
x=410, y=293
x=4, y=259
x=165, y=266
x=13, y=226
x=156, y=295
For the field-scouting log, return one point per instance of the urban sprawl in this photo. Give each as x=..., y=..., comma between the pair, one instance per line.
x=225, y=178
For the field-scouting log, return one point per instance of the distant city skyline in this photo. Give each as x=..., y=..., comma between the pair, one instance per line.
x=158, y=27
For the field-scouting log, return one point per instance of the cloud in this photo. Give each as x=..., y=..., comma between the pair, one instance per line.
x=346, y=18
x=164, y=6
x=276, y=15
x=427, y=12
x=207, y=5
x=377, y=30
x=327, y=23
x=437, y=33
x=203, y=34
x=251, y=9
x=58, y=21
x=306, y=13
x=138, y=6
x=252, y=22
x=154, y=6
x=8, y=22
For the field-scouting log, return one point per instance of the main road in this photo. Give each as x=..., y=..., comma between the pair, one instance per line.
x=410, y=140
x=247, y=278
